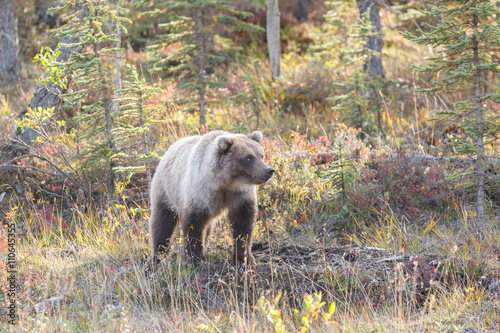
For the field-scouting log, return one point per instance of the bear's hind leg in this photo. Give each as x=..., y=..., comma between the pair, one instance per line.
x=242, y=216
x=193, y=229
x=161, y=226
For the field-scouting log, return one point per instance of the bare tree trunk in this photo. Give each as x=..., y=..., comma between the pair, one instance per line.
x=374, y=42
x=480, y=131
x=203, y=120
x=118, y=68
x=108, y=108
x=145, y=142
x=273, y=38
x=10, y=67
x=304, y=10
x=200, y=43
x=41, y=10
x=374, y=64
x=115, y=106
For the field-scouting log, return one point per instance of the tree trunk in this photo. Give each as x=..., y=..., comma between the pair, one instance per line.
x=41, y=11
x=115, y=108
x=144, y=142
x=47, y=97
x=480, y=131
x=200, y=43
x=118, y=68
x=10, y=68
x=108, y=108
x=304, y=10
x=374, y=42
x=273, y=38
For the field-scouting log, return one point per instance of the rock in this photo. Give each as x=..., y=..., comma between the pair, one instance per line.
x=111, y=308
x=51, y=306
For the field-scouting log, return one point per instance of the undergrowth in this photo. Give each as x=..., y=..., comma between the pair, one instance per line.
x=384, y=265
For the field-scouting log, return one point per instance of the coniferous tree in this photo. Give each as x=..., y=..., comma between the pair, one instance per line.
x=10, y=67
x=373, y=37
x=190, y=48
x=90, y=75
x=133, y=123
x=359, y=105
x=341, y=174
x=468, y=42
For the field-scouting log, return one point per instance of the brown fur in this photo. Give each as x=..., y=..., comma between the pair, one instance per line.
x=202, y=177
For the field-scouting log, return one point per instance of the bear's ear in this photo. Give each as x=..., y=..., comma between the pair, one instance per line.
x=256, y=136
x=224, y=143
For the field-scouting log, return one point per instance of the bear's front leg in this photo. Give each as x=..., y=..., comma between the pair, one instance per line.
x=242, y=217
x=193, y=224
x=161, y=225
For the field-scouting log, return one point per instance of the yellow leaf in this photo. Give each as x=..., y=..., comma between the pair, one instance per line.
x=331, y=309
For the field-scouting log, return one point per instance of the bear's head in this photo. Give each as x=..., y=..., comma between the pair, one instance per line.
x=240, y=158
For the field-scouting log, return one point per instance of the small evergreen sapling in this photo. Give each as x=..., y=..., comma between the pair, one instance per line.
x=132, y=125
x=190, y=48
x=468, y=42
x=360, y=105
x=341, y=174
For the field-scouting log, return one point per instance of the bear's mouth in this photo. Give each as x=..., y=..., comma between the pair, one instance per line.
x=260, y=181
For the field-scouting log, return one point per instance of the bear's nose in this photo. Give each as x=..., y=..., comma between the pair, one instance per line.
x=270, y=172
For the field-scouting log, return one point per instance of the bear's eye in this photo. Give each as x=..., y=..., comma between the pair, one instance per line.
x=249, y=158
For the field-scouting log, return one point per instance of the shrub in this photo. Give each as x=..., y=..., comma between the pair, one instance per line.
x=405, y=183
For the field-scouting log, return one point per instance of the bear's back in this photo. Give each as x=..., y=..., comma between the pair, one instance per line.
x=184, y=166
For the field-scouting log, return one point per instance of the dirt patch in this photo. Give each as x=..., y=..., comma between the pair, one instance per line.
x=347, y=275
x=342, y=274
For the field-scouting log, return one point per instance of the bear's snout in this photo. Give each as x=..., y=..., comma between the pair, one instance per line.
x=270, y=172
x=265, y=174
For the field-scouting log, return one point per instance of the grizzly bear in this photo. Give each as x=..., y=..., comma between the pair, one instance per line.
x=202, y=177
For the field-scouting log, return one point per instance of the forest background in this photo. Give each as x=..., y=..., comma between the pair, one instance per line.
x=380, y=119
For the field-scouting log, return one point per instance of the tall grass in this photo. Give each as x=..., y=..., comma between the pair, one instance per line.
x=97, y=266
